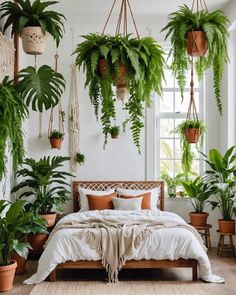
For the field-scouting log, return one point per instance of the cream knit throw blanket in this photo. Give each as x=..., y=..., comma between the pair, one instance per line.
x=117, y=239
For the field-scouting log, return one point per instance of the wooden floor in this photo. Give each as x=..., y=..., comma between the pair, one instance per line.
x=225, y=267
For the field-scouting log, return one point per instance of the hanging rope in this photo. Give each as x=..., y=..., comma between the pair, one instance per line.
x=60, y=111
x=199, y=4
x=192, y=110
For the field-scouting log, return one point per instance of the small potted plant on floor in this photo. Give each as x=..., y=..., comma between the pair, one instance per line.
x=15, y=223
x=210, y=31
x=32, y=23
x=115, y=131
x=80, y=158
x=190, y=131
x=45, y=181
x=222, y=176
x=56, y=137
x=199, y=193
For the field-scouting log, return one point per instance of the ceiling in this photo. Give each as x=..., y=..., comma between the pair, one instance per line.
x=93, y=8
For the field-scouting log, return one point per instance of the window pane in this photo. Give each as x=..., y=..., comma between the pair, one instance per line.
x=169, y=79
x=178, y=149
x=196, y=166
x=177, y=122
x=166, y=166
x=167, y=102
x=166, y=127
x=182, y=107
x=166, y=146
x=178, y=167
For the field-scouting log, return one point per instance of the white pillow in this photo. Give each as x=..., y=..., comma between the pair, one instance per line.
x=127, y=204
x=83, y=200
x=155, y=195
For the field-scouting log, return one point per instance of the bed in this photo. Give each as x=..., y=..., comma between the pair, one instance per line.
x=131, y=264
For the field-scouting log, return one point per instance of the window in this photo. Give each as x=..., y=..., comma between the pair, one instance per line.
x=171, y=111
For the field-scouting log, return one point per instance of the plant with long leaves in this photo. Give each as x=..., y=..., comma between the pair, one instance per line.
x=24, y=14
x=45, y=181
x=41, y=88
x=13, y=111
x=15, y=223
x=215, y=25
x=144, y=61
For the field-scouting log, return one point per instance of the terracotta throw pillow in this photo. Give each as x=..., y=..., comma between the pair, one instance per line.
x=101, y=202
x=146, y=202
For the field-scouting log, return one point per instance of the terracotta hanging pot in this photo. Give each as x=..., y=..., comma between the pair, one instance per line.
x=196, y=43
x=192, y=135
x=50, y=218
x=56, y=142
x=7, y=273
x=198, y=219
x=21, y=263
x=226, y=226
x=37, y=242
x=33, y=40
x=114, y=136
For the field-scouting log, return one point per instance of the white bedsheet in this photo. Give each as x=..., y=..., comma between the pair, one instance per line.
x=168, y=243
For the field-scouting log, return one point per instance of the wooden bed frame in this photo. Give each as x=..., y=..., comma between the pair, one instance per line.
x=131, y=264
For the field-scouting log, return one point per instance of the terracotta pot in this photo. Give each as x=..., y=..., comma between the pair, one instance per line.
x=192, y=135
x=33, y=40
x=7, y=273
x=113, y=136
x=50, y=218
x=37, y=242
x=196, y=43
x=56, y=142
x=102, y=66
x=198, y=219
x=21, y=262
x=226, y=226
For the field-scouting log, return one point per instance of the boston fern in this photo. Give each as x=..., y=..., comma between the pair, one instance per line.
x=41, y=88
x=13, y=111
x=144, y=62
x=215, y=25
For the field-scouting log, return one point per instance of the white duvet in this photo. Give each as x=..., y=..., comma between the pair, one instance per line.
x=166, y=243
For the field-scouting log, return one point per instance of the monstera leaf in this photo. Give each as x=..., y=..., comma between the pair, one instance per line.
x=41, y=88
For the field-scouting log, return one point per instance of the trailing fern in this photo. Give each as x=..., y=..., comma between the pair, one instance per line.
x=144, y=61
x=13, y=111
x=215, y=25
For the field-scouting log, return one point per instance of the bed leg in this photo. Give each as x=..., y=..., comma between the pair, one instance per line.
x=194, y=271
x=53, y=276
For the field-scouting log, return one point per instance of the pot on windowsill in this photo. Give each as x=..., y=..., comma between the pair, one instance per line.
x=197, y=44
x=34, y=40
x=198, y=219
x=226, y=226
x=192, y=135
x=7, y=273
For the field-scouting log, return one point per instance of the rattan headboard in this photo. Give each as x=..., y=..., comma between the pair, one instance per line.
x=103, y=185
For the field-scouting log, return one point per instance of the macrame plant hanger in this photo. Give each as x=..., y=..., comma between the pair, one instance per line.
x=60, y=111
x=121, y=84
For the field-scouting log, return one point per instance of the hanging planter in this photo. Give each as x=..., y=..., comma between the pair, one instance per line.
x=115, y=131
x=56, y=138
x=80, y=158
x=34, y=40
x=192, y=133
x=197, y=44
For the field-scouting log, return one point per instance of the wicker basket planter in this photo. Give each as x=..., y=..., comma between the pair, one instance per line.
x=33, y=40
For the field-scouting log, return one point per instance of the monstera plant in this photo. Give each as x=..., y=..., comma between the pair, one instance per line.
x=184, y=24
x=133, y=65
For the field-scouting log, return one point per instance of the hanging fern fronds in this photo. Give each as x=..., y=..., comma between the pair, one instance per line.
x=13, y=111
x=41, y=88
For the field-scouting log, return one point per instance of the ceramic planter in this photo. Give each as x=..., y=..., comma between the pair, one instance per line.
x=198, y=219
x=50, y=218
x=196, y=43
x=56, y=143
x=226, y=226
x=7, y=273
x=192, y=135
x=33, y=40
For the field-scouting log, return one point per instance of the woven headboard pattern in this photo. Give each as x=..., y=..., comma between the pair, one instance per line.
x=104, y=185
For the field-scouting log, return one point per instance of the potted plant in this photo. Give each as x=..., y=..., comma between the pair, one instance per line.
x=172, y=183
x=199, y=193
x=41, y=88
x=32, y=23
x=222, y=176
x=15, y=222
x=13, y=112
x=56, y=137
x=115, y=131
x=80, y=158
x=46, y=183
x=190, y=131
x=185, y=28
x=134, y=63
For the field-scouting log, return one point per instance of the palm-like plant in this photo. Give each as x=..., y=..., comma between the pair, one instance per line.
x=41, y=88
x=43, y=180
x=143, y=60
x=24, y=14
x=215, y=25
x=13, y=111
